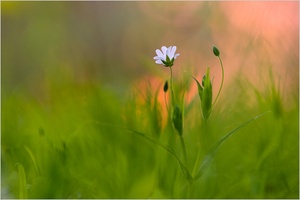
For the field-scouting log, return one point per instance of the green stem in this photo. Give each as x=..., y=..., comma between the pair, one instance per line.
x=189, y=190
x=202, y=150
x=171, y=88
x=184, y=150
x=173, y=103
x=200, y=153
x=197, y=163
x=221, y=82
x=166, y=103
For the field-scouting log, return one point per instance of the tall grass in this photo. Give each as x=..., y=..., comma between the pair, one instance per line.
x=85, y=141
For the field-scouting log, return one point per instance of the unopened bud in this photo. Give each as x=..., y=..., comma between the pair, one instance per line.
x=216, y=51
x=203, y=80
x=206, y=103
x=166, y=86
x=200, y=88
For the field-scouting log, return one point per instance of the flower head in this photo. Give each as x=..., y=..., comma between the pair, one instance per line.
x=166, y=56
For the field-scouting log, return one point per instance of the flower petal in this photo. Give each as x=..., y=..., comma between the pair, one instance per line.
x=171, y=50
x=158, y=58
x=164, y=50
x=176, y=55
x=159, y=53
x=159, y=62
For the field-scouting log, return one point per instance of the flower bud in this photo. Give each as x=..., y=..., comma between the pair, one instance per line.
x=166, y=86
x=205, y=94
x=206, y=103
x=216, y=51
x=203, y=80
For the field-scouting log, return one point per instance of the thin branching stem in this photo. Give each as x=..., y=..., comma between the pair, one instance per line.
x=221, y=82
x=184, y=150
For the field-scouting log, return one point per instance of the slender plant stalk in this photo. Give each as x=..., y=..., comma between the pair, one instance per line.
x=221, y=82
x=184, y=150
x=197, y=163
x=166, y=103
x=189, y=190
x=171, y=87
x=201, y=149
x=173, y=103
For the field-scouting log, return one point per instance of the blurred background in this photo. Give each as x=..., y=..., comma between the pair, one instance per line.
x=112, y=43
x=65, y=66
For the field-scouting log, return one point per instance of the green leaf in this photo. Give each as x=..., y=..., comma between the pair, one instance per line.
x=209, y=157
x=200, y=89
x=183, y=168
x=32, y=158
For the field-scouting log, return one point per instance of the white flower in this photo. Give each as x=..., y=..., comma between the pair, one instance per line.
x=166, y=56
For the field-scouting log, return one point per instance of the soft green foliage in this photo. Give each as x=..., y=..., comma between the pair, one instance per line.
x=77, y=121
x=87, y=142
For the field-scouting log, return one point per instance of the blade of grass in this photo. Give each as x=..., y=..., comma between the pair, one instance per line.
x=32, y=158
x=209, y=157
x=22, y=182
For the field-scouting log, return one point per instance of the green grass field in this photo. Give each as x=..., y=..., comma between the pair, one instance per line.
x=85, y=114
x=85, y=141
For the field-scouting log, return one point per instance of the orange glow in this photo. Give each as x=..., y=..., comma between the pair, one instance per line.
x=249, y=35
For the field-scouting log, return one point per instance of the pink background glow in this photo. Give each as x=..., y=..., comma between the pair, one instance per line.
x=112, y=43
x=251, y=36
